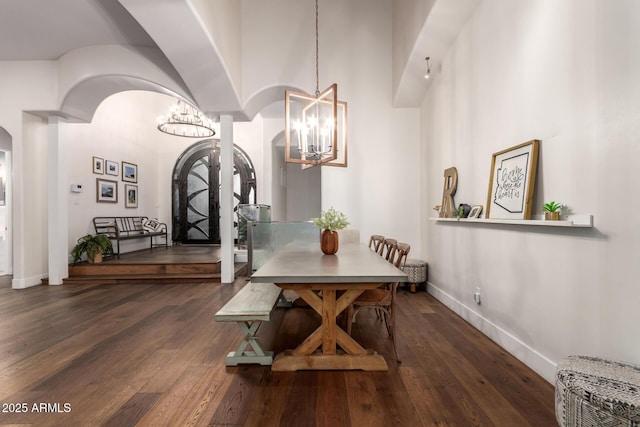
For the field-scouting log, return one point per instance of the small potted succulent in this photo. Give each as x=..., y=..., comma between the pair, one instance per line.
x=552, y=210
x=95, y=246
x=330, y=222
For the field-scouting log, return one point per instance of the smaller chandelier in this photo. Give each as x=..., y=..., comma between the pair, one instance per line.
x=185, y=120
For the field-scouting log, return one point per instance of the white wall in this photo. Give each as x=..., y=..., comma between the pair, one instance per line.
x=26, y=85
x=379, y=190
x=35, y=151
x=564, y=72
x=123, y=129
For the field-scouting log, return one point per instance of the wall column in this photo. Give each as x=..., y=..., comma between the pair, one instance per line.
x=226, y=199
x=58, y=224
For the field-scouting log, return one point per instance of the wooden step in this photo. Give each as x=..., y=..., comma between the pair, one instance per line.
x=146, y=274
x=84, y=269
x=142, y=279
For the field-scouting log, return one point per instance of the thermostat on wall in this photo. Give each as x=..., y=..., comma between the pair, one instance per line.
x=76, y=188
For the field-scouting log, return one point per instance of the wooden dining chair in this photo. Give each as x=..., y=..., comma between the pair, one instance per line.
x=375, y=242
x=387, y=248
x=383, y=299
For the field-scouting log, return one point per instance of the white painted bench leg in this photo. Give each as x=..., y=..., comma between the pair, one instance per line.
x=256, y=354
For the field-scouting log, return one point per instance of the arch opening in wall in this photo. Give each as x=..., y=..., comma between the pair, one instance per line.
x=196, y=192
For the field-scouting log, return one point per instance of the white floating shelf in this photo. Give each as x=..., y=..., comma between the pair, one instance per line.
x=581, y=221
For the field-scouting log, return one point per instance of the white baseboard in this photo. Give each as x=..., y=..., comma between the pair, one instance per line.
x=527, y=355
x=27, y=282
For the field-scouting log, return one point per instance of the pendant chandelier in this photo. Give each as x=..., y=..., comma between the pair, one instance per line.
x=315, y=125
x=183, y=119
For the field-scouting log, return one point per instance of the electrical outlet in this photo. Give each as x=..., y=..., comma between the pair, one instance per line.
x=476, y=296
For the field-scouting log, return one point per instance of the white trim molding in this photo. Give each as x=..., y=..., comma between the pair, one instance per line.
x=27, y=282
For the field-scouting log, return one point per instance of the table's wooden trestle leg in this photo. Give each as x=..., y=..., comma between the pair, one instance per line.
x=329, y=336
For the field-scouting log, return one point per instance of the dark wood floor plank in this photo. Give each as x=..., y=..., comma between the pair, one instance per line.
x=332, y=399
x=152, y=355
x=365, y=408
x=233, y=408
x=134, y=409
x=268, y=407
x=301, y=404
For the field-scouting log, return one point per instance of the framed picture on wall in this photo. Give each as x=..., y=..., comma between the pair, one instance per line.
x=130, y=196
x=512, y=181
x=106, y=191
x=112, y=168
x=129, y=172
x=98, y=165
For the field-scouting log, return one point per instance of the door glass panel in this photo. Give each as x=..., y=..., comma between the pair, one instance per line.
x=198, y=201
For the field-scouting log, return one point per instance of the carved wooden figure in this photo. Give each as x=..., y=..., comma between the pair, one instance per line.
x=448, y=208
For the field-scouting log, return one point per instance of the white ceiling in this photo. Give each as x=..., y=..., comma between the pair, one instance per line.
x=47, y=29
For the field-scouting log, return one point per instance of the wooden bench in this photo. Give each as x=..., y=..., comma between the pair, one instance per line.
x=251, y=306
x=120, y=228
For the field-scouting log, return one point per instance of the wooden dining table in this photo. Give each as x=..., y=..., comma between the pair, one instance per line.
x=329, y=284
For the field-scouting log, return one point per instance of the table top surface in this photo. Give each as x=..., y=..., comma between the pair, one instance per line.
x=354, y=263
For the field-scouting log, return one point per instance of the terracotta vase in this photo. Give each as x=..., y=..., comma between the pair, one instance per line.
x=96, y=259
x=329, y=242
x=552, y=216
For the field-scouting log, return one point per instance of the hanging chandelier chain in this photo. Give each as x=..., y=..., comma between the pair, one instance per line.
x=317, y=74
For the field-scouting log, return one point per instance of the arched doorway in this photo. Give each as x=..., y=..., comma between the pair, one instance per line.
x=196, y=191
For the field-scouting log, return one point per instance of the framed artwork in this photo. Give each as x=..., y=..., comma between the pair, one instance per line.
x=512, y=181
x=129, y=172
x=130, y=196
x=475, y=211
x=112, y=168
x=98, y=165
x=106, y=191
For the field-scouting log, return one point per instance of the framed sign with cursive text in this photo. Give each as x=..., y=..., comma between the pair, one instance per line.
x=512, y=181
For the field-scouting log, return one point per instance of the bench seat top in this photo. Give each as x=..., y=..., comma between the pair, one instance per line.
x=255, y=301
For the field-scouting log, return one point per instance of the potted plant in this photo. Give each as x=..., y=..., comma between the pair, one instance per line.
x=330, y=222
x=95, y=246
x=552, y=210
x=463, y=211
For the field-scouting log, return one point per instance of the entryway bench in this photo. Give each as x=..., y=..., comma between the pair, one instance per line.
x=130, y=227
x=251, y=306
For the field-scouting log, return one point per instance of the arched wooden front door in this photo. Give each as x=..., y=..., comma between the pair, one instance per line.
x=196, y=191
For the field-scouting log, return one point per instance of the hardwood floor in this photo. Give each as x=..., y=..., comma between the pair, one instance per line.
x=152, y=355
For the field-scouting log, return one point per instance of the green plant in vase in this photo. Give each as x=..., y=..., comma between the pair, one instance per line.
x=330, y=222
x=95, y=246
x=552, y=210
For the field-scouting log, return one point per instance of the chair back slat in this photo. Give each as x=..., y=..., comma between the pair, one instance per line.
x=387, y=248
x=401, y=252
x=375, y=241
